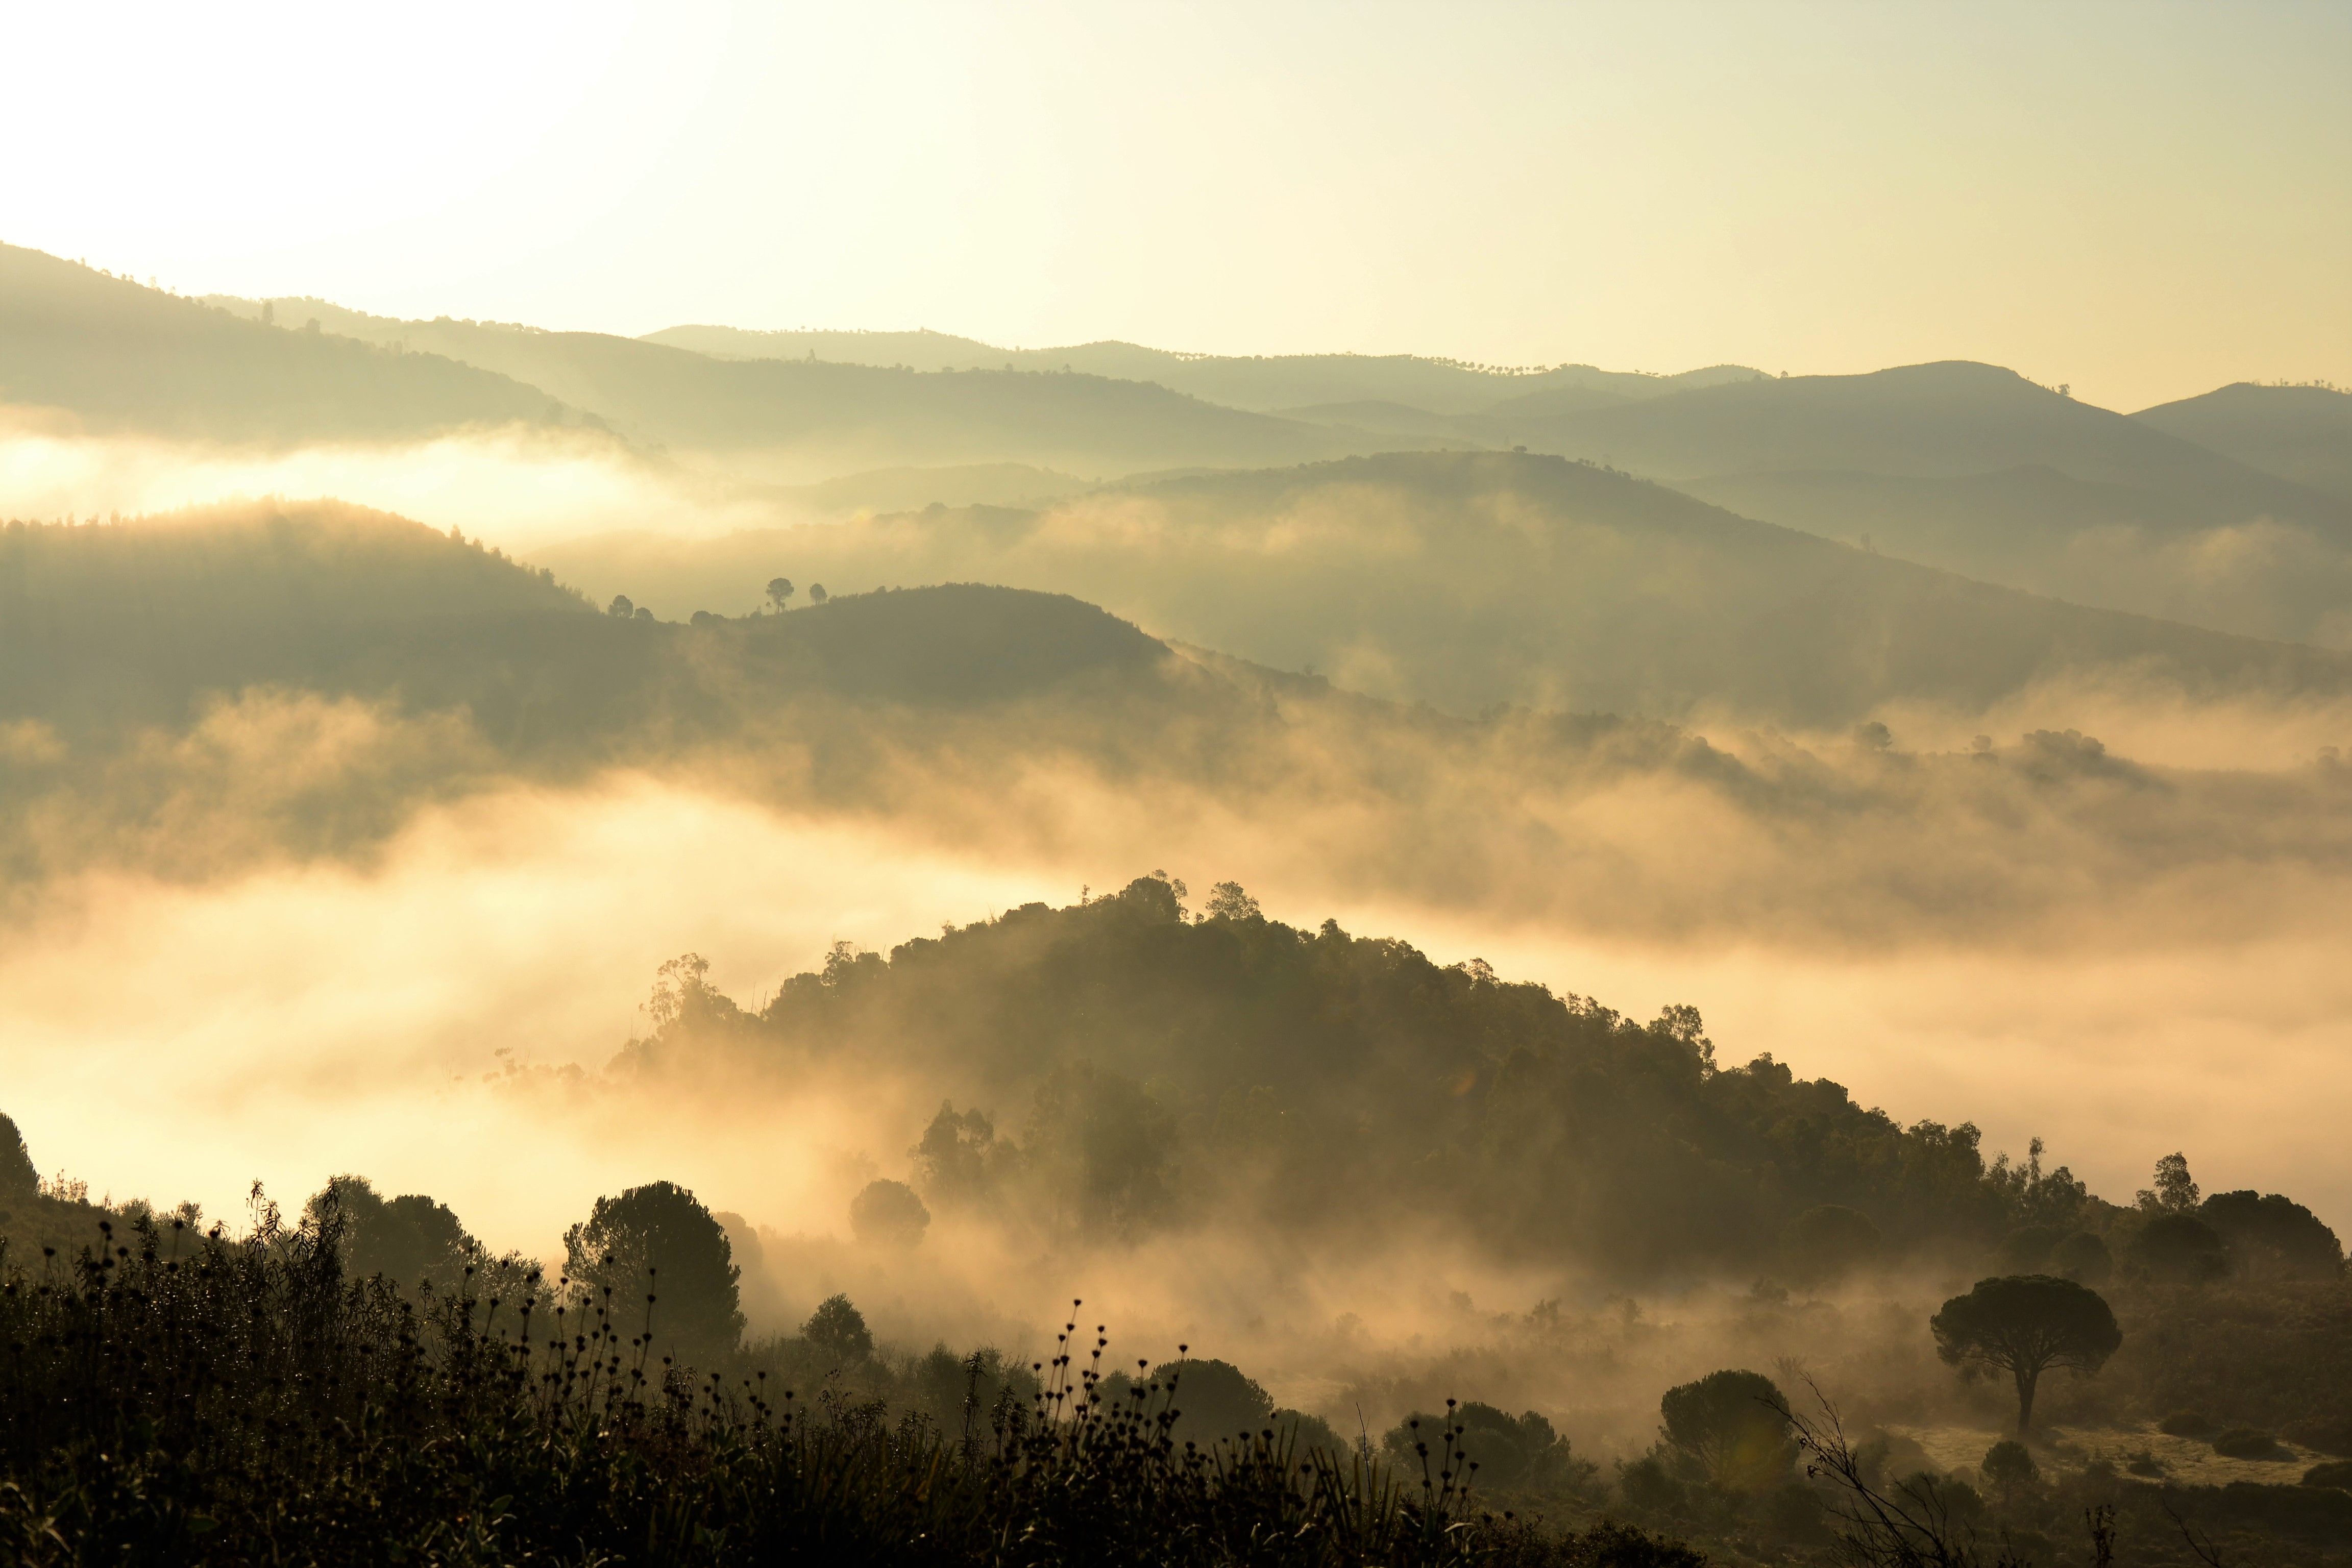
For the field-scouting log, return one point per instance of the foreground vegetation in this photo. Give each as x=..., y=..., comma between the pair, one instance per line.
x=171, y=1397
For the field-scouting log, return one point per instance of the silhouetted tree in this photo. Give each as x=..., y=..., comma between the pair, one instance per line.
x=18, y=1179
x=1228, y=902
x=889, y=1213
x=2272, y=1234
x=839, y=1329
x=2009, y=1469
x=2173, y=1191
x=1215, y=1400
x=780, y=593
x=2025, y=1325
x=409, y=1239
x=659, y=1240
x=961, y=1157
x=620, y=608
x=2083, y=1258
x=817, y=596
x=2178, y=1250
x=1732, y=1428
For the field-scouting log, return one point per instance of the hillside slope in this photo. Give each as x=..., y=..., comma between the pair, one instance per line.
x=801, y=419
x=123, y=358
x=2303, y=433
x=1466, y=580
x=1973, y=469
x=1266, y=382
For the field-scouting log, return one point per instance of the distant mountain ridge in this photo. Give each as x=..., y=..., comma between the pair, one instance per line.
x=792, y=419
x=2303, y=433
x=1264, y=383
x=123, y=357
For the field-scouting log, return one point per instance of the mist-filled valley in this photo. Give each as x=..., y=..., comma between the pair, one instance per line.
x=1652, y=907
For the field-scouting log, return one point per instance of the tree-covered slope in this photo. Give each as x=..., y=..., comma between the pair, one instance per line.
x=1140, y=1068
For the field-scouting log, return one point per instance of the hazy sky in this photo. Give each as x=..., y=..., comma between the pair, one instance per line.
x=2144, y=200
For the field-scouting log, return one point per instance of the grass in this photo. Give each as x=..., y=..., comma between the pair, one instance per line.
x=169, y=1396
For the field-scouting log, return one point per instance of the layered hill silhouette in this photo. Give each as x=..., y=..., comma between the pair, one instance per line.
x=1975, y=469
x=118, y=357
x=796, y=418
x=2299, y=433
x=1262, y=382
x=1466, y=580
x=190, y=696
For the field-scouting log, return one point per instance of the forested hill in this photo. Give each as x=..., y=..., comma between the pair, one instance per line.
x=105, y=627
x=123, y=358
x=1126, y=1064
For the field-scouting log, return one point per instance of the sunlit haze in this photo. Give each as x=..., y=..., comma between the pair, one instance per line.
x=2140, y=199
x=1124, y=785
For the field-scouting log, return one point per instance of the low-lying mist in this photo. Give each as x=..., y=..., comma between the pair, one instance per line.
x=519, y=487
x=183, y=1040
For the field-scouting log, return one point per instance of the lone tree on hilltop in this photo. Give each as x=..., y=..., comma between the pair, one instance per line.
x=2175, y=1191
x=1732, y=1428
x=659, y=1240
x=2024, y=1325
x=780, y=593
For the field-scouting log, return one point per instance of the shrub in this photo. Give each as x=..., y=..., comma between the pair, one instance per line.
x=2083, y=1258
x=2334, y=1473
x=2187, y=1424
x=889, y=1213
x=1732, y=1429
x=2249, y=1443
x=2010, y=1468
x=2178, y=1250
x=838, y=1329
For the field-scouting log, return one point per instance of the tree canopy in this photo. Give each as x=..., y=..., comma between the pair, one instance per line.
x=2025, y=1325
x=658, y=1241
x=1731, y=1429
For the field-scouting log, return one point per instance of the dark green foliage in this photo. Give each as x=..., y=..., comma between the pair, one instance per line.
x=1828, y=1242
x=409, y=1239
x=889, y=1213
x=18, y=1180
x=2270, y=1233
x=2083, y=1258
x=1730, y=1430
x=660, y=1241
x=2025, y=1325
x=838, y=1332
x=2249, y=1443
x=177, y=1399
x=2009, y=1467
x=2178, y=1249
x=1508, y=1453
x=1213, y=1400
x=1115, y=1066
